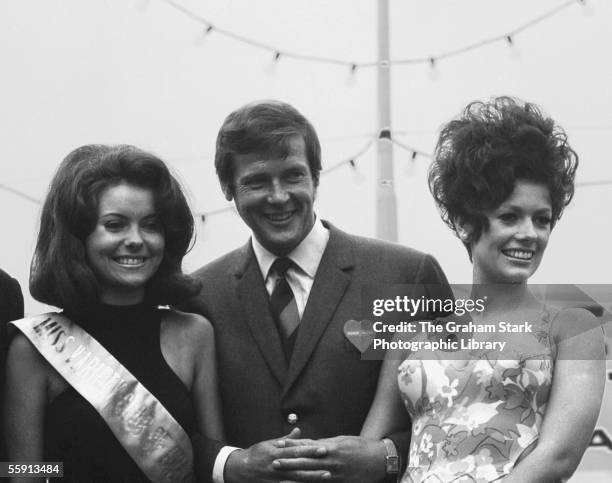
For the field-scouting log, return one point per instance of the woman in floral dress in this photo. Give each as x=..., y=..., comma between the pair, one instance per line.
x=502, y=176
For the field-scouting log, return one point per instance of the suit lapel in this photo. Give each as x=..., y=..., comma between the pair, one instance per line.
x=330, y=283
x=253, y=297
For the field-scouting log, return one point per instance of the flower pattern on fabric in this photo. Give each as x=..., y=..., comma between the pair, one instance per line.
x=472, y=419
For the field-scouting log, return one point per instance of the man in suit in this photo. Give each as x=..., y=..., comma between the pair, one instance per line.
x=11, y=308
x=279, y=306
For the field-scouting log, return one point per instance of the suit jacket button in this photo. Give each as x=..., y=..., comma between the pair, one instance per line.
x=292, y=418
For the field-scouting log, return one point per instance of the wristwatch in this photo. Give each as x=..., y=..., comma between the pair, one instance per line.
x=392, y=459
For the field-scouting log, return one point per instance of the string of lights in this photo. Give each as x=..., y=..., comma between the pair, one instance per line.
x=209, y=27
x=351, y=159
x=347, y=161
x=414, y=152
x=508, y=37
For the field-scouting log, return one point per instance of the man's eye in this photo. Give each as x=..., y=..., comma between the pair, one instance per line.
x=254, y=184
x=295, y=176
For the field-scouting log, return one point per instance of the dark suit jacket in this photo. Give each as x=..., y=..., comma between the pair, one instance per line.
x=326, y=384
x=11, y=308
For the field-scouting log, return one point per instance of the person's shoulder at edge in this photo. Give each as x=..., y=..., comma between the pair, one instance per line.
x=5, y=277
x=12, y=294
x=24, y=360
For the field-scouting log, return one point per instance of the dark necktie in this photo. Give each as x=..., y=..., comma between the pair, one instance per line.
x=284, y=306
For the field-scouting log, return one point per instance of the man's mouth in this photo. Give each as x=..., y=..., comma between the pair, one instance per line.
x=279, y=217
x=519, y=253
x=130, y=261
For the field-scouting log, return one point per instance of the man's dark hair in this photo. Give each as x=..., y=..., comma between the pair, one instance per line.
x=264, y=128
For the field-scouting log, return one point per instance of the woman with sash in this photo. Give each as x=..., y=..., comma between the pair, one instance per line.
x=480, y=411
x=114, y=386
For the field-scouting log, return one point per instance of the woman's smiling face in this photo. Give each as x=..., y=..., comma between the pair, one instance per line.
x=127, y=244
x=511, y=249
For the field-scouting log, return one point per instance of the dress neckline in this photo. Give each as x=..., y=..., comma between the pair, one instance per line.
x=104, y=317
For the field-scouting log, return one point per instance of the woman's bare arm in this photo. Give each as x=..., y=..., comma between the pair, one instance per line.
x=205, y=390
x=188, y=346
x=387, y=414
x=574, y=403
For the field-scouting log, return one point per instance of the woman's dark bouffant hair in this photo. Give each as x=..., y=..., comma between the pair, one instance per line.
x=480, y=156
x=60, y=274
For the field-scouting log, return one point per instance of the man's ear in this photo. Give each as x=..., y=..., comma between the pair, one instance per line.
x=227, y=192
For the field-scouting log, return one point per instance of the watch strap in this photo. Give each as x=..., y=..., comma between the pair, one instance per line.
x=392, y=458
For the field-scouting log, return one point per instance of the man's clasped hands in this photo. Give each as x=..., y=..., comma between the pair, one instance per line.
x=294, y=459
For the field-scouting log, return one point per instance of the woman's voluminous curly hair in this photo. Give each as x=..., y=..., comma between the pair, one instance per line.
x=480, y=156
x=60, y=274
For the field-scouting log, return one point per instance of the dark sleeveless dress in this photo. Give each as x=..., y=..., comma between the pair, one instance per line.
x=76, y=434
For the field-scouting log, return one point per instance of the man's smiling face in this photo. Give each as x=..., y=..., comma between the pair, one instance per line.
x=275, y=196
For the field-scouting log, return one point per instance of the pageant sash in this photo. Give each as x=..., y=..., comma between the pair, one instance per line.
x=147, y=431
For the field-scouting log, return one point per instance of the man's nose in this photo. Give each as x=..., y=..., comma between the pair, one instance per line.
x=278, y=192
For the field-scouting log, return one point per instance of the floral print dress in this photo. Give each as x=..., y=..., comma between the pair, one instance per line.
x=472, y=417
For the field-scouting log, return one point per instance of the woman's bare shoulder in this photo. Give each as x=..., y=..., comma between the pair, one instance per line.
x=578, y=335
x=572, y=321
x=188, y=328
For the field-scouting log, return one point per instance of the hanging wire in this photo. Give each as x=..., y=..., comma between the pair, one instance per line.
x=414, y=151
x=255, y=43
x=506, y=37
x=21, y=194
x=594, y=183
x=350, y=160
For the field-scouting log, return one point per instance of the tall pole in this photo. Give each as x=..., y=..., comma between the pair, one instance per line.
x=386, y=204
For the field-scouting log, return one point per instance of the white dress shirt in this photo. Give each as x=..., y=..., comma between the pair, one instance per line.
x=306, y=256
